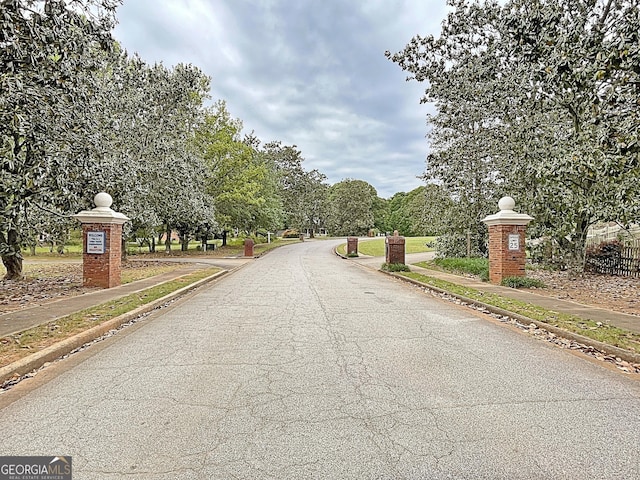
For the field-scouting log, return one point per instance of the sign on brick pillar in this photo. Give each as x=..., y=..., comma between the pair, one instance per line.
x=507, y=229
x=102, y=243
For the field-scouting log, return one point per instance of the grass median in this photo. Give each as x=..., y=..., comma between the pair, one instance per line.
x=17, y=346
x=601, y=332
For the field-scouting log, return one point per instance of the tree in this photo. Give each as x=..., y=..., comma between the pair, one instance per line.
x=380, y=214
x=535, y=98
x=467, y=157
x=145, y=118
x=585, y=65
x=423, y=211
x=315, y=203
x=351, y=204
x=241, y=181
x=397, y=218
x=303, y=193
x=46, y=66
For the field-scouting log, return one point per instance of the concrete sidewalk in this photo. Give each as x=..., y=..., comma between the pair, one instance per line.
x=621, y=320
x=23, y=319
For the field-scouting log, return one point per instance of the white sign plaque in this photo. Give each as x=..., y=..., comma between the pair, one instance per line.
x=95, y=242
x=514, y=241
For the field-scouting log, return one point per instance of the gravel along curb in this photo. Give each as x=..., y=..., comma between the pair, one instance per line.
x=16, y=371
x=625, y=360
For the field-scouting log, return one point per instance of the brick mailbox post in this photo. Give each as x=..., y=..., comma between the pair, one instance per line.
x=102, y=243
x=507, y=230
x=352, y=246
x=394, y=249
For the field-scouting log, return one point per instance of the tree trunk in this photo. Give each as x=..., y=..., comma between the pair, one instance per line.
x=575, y=249
x=152, y=246
x=13, y=264
x=13, y=260
x=185, y=242
x=167, y=243
x=578, y=259
x=224, y=238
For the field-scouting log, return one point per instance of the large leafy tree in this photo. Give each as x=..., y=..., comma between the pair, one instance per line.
x=46, y=63
x=303, y=193
x=425, y=210
x=315, y=204
x=351, y=207
x=535, y=99
x=287, y=163
x=240, y=179
x=467, y=156
x=397, y=215
x=145, y=153
x=582, y=154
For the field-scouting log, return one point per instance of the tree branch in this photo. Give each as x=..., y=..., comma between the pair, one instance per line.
x=605, y=14
x=50, y=211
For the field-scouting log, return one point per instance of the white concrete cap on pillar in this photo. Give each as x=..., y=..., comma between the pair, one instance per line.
x=102, y=213
x=507, y=203
x=506, y=215
x=102, y=200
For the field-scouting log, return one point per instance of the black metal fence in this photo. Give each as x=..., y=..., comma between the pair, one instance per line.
x=613, y=258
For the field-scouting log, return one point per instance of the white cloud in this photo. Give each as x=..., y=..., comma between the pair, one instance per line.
x=309, y=73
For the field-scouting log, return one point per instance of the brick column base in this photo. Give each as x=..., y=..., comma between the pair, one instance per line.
x=352, y=246
x=103, y=269
x=505, y=260
x=248, y=247
x=395, y=249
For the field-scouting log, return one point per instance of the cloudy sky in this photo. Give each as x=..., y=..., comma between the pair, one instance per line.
x=310, y=73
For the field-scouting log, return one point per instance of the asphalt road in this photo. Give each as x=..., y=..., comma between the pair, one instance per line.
x=301, y=365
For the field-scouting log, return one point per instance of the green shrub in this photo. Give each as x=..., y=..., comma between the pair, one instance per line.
x=522, y=282
x=395, y=267
x=455, y=245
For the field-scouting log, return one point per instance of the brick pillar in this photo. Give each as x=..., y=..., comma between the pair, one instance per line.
x=395, y=249
x=102, y=269
x=352, y=246
x=248, y=247
x=507, y=231
x=506, y=252
x=102, y=244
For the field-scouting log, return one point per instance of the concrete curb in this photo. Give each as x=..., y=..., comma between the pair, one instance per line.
x=57, y=350
x=610, y=349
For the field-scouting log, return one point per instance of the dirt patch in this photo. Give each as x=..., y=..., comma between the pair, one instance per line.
x=620, y=294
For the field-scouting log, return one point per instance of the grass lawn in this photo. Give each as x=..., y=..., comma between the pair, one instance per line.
x=472, y=266
x=375, y=247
